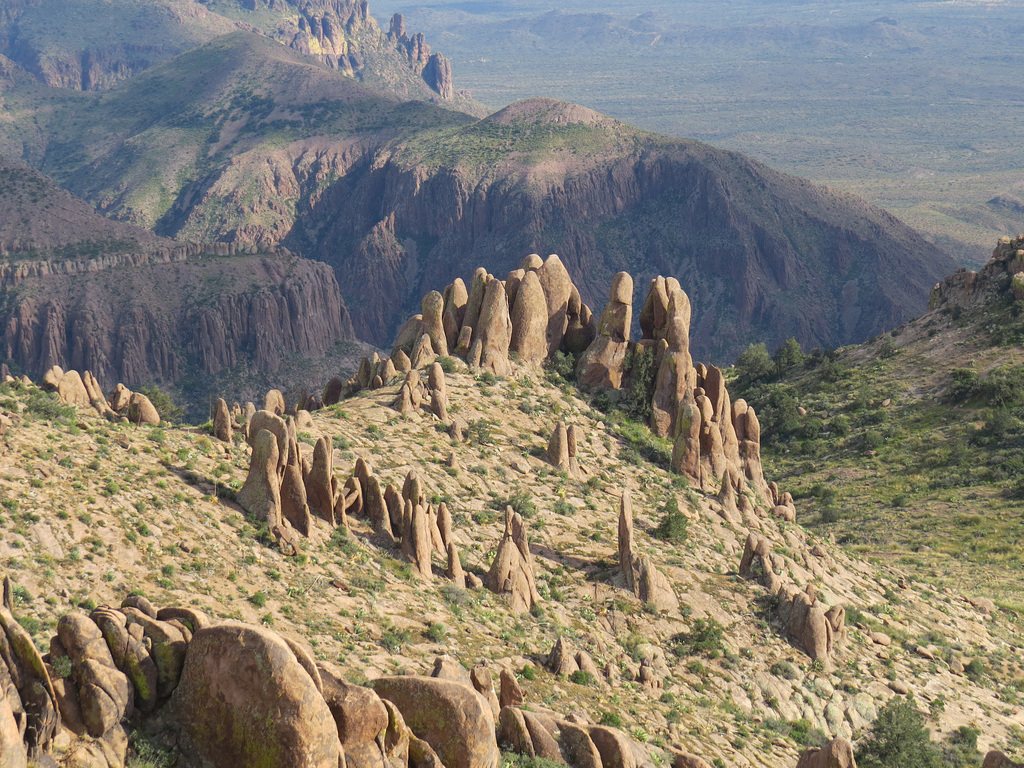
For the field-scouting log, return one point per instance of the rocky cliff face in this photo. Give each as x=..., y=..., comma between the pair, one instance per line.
x=161, y=322
x=113, y=41
x=790, y=257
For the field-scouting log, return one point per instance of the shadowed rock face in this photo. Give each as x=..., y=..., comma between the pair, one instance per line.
x=161, y=321
x=754, y=266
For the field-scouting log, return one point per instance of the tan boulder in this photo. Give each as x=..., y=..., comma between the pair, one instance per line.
x=401, y=362
x=494, y=329
x=513, y=733
x=686, y=446
x=274, y=402
x=512, y=571
x=222, y=428
x=453, y=719
x=455, y=298
x=408, y=335
x=321, y=485
x=557, y=286
x=358, y=712
x=433, y=323
x=600, y=366
x=510, y=692
x=475, y=300
x=455, y=571
x=71, y=390
x=105, y=695
x=120, y=398
x=653, y=587
x=244, y=699
x=12, y=749
x=294, y=506
x=260, y=495
x=996, y=759
x=421, y=542
x=333, y=391
x=561, y=659
x=52, y=378
x=627, y=564
x=613, y=746
x=423, y=354
x=837, y=753
x=530, y=321
x=558, y=448
x=141, y=410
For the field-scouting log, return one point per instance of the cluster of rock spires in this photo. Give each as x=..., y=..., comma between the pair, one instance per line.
x=435, y=69
x=816, y=630
x=640, y=575
x=238, y=694
x=83, y=390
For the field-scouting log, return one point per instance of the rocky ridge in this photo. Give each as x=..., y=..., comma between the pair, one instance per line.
x=112, y=44
x=351, y=597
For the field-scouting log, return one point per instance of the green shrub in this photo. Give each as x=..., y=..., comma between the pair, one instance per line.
x=394, y=639
x=528, y=673
x=705, y=637
x=47, y=406
x=898, y=739
x=164, y=404
x=674, y=524
x=446, y=363
x=582, y=678
x=259, y=599
x=611, y=719
x=437, y=632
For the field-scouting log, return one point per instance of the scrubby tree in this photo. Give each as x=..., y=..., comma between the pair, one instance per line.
x=755, y=364
x=898, y=739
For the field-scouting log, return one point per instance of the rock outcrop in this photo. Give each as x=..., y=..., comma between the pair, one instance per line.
x=138, y=335
x=512, y=571
x=533, y=314
x=837, y=753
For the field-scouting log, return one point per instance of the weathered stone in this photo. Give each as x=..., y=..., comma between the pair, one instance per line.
x=557, y=287
x=653, y=587
x=600, y=366
x=483, y=683
x=512, y=731
x=562, y=660
x=613, y=746
x=455, y=572
x=167, y=648
x=558, y=448
x=423, y=354
x=104, y=693
x=129, y=655
x=401, y=361
x=627, y=564
x=511, y=693
x=294, y=506
x=408, y=335
x=274, y=402
x=71, y=390
x=577, y=746
x=358, y=712
x=452, y=718
x=837, y=753
x=512, y=572
x=433, y=323
x=12, y=749
x=321, y=485
x=141, y=410
x=494, y=330
x=333, y=392
x=222, y=428
x=260, y=495
x=421, y=542
x=530, y=321
x=244, y=699
x=455, y=298
x=438, y=392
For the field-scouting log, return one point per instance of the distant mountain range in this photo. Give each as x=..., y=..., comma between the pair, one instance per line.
x=240, y=139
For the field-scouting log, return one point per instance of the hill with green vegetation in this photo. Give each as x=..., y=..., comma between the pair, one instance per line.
x=906, y=449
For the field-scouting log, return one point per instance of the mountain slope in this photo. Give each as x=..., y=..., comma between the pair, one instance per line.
x=399, y=197
x=80, y=291
x=909, y=447
x=94, y=44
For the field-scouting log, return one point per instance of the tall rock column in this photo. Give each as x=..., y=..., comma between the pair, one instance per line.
x=600, y=367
